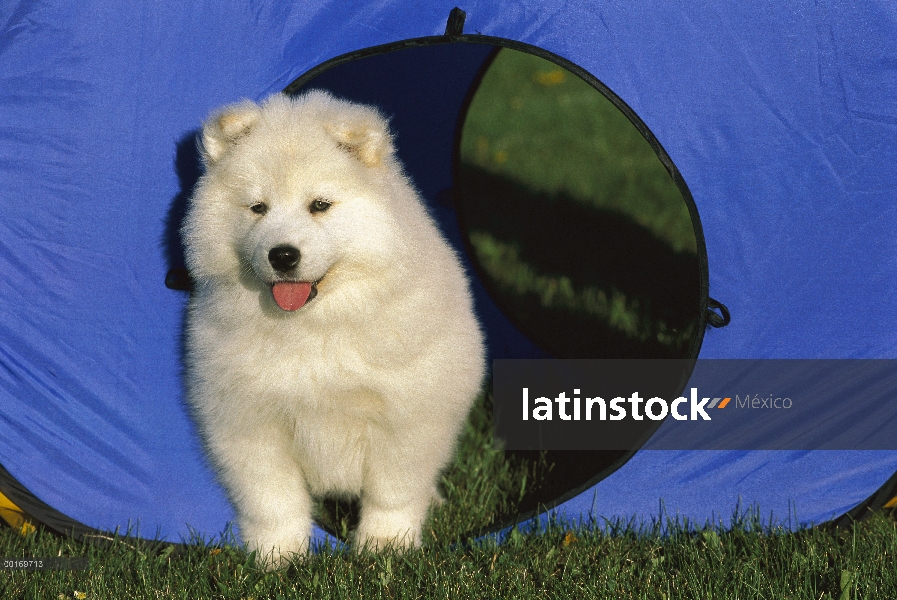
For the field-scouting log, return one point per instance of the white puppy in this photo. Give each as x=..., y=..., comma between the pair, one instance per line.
x=331, y=341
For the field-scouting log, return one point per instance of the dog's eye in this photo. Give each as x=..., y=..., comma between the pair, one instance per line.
x=318, y=205
x=259, y=208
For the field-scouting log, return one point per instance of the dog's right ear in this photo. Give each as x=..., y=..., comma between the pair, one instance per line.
x=225, y=127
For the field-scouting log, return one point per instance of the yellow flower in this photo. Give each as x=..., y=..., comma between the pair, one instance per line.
x=549, y=78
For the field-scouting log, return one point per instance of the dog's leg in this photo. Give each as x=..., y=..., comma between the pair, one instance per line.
x=268, y=490
x=399, y=488
x=396, y=524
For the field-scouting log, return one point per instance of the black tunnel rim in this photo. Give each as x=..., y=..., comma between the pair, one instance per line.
x=306, y=79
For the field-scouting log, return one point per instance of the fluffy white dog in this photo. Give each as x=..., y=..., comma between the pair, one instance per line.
x=331, y=341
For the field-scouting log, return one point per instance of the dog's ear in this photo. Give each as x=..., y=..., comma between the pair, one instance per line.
x=362, y=132
x=225, y=127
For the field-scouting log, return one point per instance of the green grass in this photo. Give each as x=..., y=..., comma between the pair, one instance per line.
x=579, y=232
x=623, y=316
x=743, y=563
x=542, y=126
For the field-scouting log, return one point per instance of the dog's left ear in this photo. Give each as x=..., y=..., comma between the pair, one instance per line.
x=221, y=131
x=362, y=132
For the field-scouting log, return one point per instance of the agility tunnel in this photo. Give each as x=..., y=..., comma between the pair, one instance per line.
x=775, y=131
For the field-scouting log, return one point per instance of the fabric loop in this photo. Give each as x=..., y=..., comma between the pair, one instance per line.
x=715, y=319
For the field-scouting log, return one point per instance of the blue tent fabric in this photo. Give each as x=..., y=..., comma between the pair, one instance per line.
x=782, y=121
x=788, y=489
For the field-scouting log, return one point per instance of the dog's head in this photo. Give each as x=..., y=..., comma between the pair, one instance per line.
x=296, y=191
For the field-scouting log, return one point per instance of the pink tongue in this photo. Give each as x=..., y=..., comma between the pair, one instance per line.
x=291, y=295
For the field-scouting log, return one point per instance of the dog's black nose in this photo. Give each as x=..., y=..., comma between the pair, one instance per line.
x=283, y=258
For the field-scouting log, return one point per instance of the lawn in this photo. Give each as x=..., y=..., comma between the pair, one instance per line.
x=587, y=562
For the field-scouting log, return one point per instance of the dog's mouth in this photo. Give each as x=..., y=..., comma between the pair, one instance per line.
x=293, y=295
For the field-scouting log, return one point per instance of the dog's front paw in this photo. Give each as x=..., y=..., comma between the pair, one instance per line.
x=388, y=529
x=276, y=547
x=400, y=542
x=379, y=544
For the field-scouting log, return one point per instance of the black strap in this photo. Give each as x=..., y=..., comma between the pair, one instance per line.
x=715, y=319
x=179, y=279
x=455, y=24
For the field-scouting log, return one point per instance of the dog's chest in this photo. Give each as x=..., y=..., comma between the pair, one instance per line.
x=305, y=364
x=332, y=449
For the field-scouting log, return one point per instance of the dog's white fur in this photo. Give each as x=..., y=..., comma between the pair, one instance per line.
x=362, y=391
